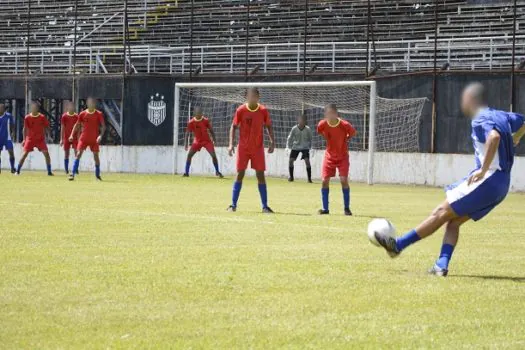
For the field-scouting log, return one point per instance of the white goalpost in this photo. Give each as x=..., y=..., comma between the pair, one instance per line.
x=386, y=125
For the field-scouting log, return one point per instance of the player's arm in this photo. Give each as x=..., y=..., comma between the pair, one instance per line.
x=517, y=126
x=290, y=139
x=212, y=133
x=62, y=132
x=269, y=129
x=309, y=137
x=24, y=133
x=492, y=143
x=518, y=135
x=102, y=132
x=233, y=129
x=76, y=129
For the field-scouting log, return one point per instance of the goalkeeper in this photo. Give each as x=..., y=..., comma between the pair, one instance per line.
x=300, y=141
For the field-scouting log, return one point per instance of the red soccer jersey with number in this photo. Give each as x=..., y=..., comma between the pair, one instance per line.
x=251, y=124
x=337, y=138
x=35, y=128
x=199, y=128
x=68, y=121
x=91, y=123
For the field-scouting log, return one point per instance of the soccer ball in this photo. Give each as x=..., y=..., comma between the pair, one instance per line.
x=382, y=226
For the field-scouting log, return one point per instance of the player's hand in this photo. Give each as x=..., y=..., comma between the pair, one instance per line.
x=287, y=150
x=271, y=148
x=231, y=150
x=476, y=176
x=99, y=139
x=61, y=142
x=516, y=139
x=186, y=148
x=70, y=138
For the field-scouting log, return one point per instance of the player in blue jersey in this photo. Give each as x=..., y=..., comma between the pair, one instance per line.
x=7, y=127
x=494, y=134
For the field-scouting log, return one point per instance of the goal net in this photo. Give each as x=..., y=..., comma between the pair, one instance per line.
x=383, y=125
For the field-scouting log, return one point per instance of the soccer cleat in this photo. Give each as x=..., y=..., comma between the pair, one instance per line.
x=185, y=175
x=50, y=174
x=13, y=171
x=77, y=173
x=310, y=181
x=323, y=212
x=99, y=178
x=267, y=210
x=387, y=242
x=290, y=179
x=219, y=174
x=438, y=271
x=232, y=209
x=348, y=212
x=72, y=177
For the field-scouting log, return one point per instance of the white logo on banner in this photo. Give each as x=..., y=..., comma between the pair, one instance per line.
x=157, y=110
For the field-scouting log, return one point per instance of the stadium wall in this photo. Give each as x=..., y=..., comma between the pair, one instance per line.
x=392, y=168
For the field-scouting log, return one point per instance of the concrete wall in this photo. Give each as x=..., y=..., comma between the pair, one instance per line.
x=396, y=168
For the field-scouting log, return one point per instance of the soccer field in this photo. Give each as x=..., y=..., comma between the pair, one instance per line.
x=156, y=262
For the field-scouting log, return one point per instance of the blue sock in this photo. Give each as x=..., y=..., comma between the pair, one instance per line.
x=216, y=166
x=406, y=240
x=76, y=165
x=12, y=162
x=264, y=195
x=324, y=195
x=188, y=165
x=346, y=197
x=445, y=256
x=18, y=168
x=97, y=170
x=66, y=165
x=48, y=166
x=236, y=192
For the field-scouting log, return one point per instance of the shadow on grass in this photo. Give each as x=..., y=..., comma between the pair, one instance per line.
x=492, y=278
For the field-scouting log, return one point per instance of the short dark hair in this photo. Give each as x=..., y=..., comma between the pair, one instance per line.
x=331, y=106
x=254, y=90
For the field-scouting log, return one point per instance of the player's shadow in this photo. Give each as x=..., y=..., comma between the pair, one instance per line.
x=492, y=278
x=292, y=214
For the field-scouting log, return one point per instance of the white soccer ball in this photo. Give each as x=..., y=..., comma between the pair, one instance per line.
x=381, y=226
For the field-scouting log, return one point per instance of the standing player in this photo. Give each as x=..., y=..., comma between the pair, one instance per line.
x=337, y=133
x=201, y=128
x=482, y=190
x=300, y=141
x=251, y=118
x=93, y=128
x=67, y=122
x=35, y=129
x=7, y=123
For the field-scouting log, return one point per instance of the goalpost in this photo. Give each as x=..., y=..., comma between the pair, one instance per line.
x=386, y=125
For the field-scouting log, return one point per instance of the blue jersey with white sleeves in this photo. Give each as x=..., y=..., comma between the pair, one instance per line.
x=7, y=122
x=505, y=123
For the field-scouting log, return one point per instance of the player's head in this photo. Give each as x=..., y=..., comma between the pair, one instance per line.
x=473, y=98
x=70, y=107
x=35, y=107
x=301, y=120
x=252, y=95
x=91, y=103
x=197, y=112
x=330, y=112
x=2, y=108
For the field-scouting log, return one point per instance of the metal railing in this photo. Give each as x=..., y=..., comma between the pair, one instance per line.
x=392, y=56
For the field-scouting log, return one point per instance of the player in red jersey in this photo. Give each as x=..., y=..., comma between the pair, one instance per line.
x=201, y=128
x=93, y=127
x=35, y=129
x=67, y=122
x=337, y=133
x=251, y=118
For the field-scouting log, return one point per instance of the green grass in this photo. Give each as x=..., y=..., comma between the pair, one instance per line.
x=157, y=262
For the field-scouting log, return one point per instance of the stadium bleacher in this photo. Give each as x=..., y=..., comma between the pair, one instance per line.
x=159, y=34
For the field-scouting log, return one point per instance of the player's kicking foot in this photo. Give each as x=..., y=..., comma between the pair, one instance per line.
x=323, y=212
x=389, y=243
x=185, y=175
x=267, y=210
x=438, y=271
x=219, y=175
x=231, y=209
x=348, y=212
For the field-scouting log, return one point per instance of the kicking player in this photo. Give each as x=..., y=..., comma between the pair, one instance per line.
x=337, y=133
x=300, y=141
x=35, y=129
x=7, y=123
x=201, y=128
x=482, y=190
x=93, y=128
x=67, y=122
x=251, y=118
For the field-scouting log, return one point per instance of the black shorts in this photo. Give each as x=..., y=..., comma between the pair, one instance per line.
x=295, y=153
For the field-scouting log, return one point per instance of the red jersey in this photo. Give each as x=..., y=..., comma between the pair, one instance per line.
x=337, y=137
x=199, y=128
x=251, y=124
x=91, y=123
x=36, y=128
x=67, y=122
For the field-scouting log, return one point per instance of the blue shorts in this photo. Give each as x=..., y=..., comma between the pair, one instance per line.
x=7, y=144
x=478, y=199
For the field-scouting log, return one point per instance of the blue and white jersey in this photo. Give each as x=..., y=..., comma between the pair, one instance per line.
x=7, y=123
x=505, y=123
